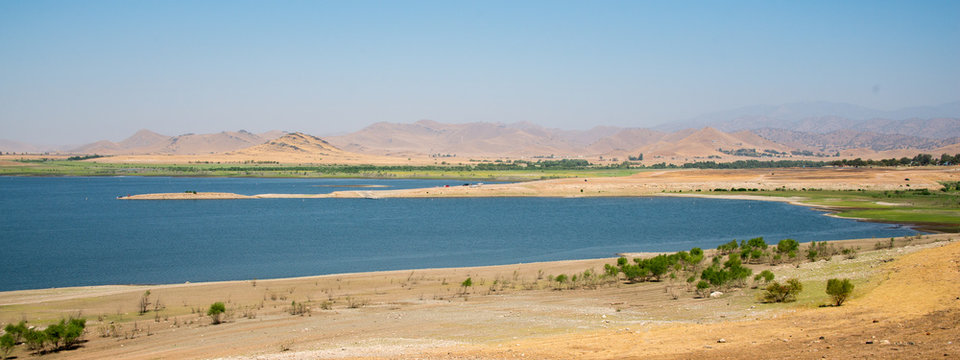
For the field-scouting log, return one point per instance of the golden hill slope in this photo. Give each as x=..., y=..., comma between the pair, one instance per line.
x=149, y=142
x=293, y=148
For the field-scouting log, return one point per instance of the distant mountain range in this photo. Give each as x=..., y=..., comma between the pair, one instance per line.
x=935, y=122
x=809, y=128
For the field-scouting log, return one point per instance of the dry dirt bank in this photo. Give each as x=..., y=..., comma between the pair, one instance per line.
x=508, y=312
x=914, y=312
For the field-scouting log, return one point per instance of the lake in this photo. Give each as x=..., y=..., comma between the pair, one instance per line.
x=72, y=231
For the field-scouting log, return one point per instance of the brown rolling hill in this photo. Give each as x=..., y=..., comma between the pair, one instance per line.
x=149, y=142
x=626, y=141
x=471, y=139
x=292, y=148
x=293, y=143
x=705, y=142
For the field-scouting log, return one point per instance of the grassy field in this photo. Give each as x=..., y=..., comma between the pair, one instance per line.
x=85, y=168
x=931, y=210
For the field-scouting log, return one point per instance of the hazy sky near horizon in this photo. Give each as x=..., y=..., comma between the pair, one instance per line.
x=80, y=71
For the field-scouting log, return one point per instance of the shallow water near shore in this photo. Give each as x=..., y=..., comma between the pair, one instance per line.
x=72, y=231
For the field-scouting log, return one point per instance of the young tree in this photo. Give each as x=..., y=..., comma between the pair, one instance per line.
x=839, y=290
x=610, y=270
x=73, y=332
x=634, y=273
x=16, y=331
x=788, y=292
x=55, y=333
x=34, y=339
x=696, y=257
x=6, y=345
x=786, y=246
x=657, y=266
x=766, y=276
x=216, y=311
x=144, y=302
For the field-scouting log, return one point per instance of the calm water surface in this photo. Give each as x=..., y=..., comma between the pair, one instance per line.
x=72, y=231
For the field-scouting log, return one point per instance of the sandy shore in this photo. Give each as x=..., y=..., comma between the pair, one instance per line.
x=515, y=309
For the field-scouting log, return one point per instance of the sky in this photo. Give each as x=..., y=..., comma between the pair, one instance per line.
x=73, y=72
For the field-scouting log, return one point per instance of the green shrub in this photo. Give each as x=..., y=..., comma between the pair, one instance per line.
x=634, y=273
x=766, y=276
x=74, y=331
x=728, y=247
x=467, y=283
x=16, y=331
x=696, y=256
x=621, y=261
x=55, y=334
x=6, y=345
x=757, y=243
x=788, y=292
x=702, y=288
x=839, y=290
x=216, y=312
x=610, y=270
x=562, y=278
x=34, y=339
x=786, y=246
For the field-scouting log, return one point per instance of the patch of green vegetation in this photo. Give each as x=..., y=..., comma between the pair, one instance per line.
x=907, y=215
x=939, y=210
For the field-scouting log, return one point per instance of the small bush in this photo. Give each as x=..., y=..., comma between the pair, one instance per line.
x=765, y=276
x=299, y=308
x=788, y=292
x=6, y=345
x=35, y=340
x=216, y=312
x=839, y=290
x=702, y=287
x=16, y=331
x=785, y=246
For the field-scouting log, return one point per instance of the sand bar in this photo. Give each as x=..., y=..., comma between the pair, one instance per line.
x=667, y=182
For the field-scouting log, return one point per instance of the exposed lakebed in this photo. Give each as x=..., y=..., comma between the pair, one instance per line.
x=72, y=231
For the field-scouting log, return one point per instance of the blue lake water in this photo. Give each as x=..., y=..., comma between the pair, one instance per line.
x=72, y=231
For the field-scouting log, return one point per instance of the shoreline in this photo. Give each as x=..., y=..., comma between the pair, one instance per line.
x=429, y=314
x=112, y=289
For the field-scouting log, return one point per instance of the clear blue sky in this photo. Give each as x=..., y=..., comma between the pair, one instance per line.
x=78, y=71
